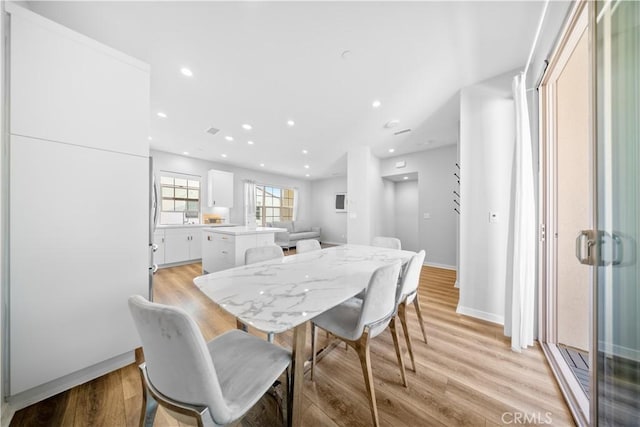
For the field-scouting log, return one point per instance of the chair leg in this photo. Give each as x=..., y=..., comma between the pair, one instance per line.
x=416, y=303
x=270, y=336
x=362, y=347
x=287, y=391
x=241, y=326
x=149, y=405
x=314, y=338
x=396, y=344
x=402, y=314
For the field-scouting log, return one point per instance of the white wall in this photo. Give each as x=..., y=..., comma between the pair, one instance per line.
x=435, y=168
x=323, y=212
x=188, y=165
x=365, y=189
x=406, y=214
x=487, y=139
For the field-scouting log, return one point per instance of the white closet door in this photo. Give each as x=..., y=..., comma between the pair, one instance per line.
x=78, y=249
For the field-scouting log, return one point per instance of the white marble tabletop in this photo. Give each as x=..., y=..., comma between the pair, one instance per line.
x=277, y=295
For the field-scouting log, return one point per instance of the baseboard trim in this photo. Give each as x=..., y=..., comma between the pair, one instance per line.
x=44, y=391
x=177, y=264
x=482, y=315
x=438, y=265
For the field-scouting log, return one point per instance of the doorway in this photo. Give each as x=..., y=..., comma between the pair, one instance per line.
x=401, y=196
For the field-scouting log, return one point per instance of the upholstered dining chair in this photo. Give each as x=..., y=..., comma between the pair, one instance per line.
x=356, y=321
x=408, y=293
x=216, y=382
x=308, y=245
x=262, y=253
x=386, y=242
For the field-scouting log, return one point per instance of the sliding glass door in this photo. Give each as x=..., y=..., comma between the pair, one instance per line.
x=616, y=395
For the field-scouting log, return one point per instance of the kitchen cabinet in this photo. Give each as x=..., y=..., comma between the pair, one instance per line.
x=224, y=248
x=181, y=245
x=90, y=95
x=220, y=189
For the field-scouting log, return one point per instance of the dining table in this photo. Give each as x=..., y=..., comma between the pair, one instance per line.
x=284, y=294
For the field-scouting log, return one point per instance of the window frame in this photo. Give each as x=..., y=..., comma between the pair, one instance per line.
x=189, y=179
x=286, y=202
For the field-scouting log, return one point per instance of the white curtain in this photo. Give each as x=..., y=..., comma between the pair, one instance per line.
x=520, y=324
x=295, y=204
x=249, y=203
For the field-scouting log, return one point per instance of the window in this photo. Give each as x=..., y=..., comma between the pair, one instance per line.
x=180, y=199
x=273, y=204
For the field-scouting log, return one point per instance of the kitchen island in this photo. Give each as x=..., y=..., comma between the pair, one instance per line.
x=224, y=247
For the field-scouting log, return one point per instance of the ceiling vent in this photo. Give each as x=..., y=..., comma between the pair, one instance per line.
x=400, y=132
x=213, y=130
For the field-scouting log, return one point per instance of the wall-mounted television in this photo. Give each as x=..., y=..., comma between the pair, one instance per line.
x=341, y=202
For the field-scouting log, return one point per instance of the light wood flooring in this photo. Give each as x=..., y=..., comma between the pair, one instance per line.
x=467, y=374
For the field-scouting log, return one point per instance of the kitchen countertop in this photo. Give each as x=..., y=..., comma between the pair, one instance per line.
x=192, y=225
x=241, y=230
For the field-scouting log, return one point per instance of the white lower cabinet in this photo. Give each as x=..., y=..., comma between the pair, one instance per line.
x=222, y=251
x=178, y=245
x=158, y=240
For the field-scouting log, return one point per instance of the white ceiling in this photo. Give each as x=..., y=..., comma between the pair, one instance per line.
x=264, y=63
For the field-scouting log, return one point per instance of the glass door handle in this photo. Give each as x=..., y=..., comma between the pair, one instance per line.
x=585, y=243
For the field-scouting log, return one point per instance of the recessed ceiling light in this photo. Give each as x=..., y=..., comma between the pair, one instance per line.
x=345, y=54
x=391, y=123
x=161, y=114
x=186, y=153
x=224, y=155
x=307, y=175
x=306, y=166
x=406, y=177
x=261, y=165
x=376, y=104
x=246, y=126
x=149, y=138
x=228, y=138
x=304, y=151
x=391, y=150
x=186, y=72
x=250, y=142
x=291, y=123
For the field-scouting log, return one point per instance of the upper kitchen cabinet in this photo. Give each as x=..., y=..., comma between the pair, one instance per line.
x=220, y=189
x=105, y=92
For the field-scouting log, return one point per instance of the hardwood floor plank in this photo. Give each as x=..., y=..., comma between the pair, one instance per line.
x=101, y=402
x=313, y=416
x=54, y=408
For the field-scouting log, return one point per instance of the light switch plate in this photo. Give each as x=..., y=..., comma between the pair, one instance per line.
x=426, y=215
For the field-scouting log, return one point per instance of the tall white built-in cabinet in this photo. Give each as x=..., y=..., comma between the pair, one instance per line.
x=78, y=206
